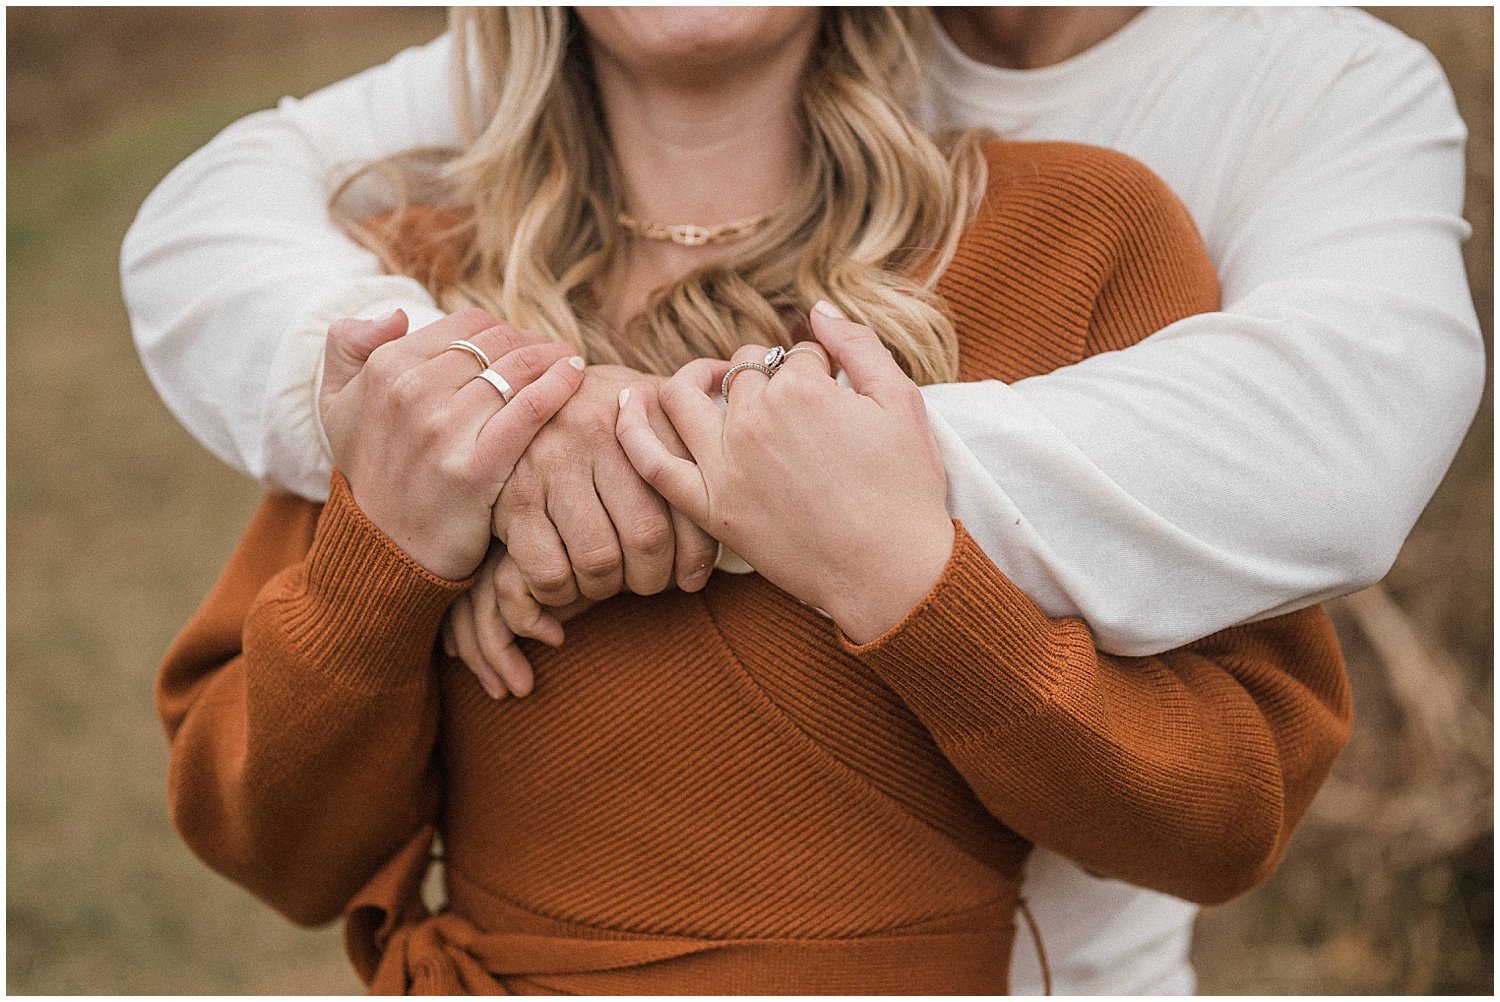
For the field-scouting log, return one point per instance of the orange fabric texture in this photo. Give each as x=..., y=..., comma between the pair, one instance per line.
x=716, y=792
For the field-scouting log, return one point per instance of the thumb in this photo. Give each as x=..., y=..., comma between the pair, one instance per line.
x=350, y=343
x=856, y=349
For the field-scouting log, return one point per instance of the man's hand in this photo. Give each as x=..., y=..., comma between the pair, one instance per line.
x=580, y=522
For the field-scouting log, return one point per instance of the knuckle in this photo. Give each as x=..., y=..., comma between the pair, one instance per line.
x=795, y=391
x=509, y=337
x=472, y=318
x=519, y=611
x=385, y=363
x=748, y=353
x=455, y=469
x=524, y=493
x=648, y=535
x=675, y=390
x=598, y=427
x=405, y=388
x=533, y=412
x=654, y=470
x=551, y=579
x=754, y=430
x=596, y=563
x=545, y=453
x=531, y=361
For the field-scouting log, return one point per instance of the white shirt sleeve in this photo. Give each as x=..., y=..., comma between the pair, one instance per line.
x=233, y=269
x=1248, y=462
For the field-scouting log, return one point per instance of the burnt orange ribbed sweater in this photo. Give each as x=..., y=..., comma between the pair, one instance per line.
x=714, y=792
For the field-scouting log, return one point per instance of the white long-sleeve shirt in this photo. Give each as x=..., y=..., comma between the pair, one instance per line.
x=1234, y=465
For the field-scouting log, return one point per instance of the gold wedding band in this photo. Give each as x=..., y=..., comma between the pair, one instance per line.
x=497, y=381
x=472, y=349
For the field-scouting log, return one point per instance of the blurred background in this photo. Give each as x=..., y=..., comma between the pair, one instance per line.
x=119, y=522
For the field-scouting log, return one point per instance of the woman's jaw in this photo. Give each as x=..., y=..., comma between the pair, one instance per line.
x=695, y=48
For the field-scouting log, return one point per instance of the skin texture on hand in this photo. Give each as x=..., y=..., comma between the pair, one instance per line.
x=425, y=444
x=834, y=494
x=579, y=521
x=484, y=623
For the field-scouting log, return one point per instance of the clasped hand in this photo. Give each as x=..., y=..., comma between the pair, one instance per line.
x=425, y=444
x=437, y=459
x=834, y=493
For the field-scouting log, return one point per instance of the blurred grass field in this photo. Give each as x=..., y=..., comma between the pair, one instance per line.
x=118, y=522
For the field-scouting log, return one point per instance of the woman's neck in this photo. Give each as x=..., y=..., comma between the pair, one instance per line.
x=1027, y=38
x=703, y=152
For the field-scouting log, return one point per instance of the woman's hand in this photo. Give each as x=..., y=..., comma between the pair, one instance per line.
x=483, y=624
x=835, y=494
x=427, y=445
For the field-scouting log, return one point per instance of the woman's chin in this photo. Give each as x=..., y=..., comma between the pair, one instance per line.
x=693, y=44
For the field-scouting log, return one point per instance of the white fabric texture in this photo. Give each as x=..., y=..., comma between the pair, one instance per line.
x=1234, y=465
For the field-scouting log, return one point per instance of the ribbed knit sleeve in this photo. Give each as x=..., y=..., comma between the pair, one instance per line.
x=300, y=703
x=1186, y=772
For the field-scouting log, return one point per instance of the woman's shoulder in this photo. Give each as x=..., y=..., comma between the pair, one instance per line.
x=1109, y=191
x=1088, y=238
x=424, y=242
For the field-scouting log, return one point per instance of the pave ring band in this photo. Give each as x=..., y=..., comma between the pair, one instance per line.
x=735, y=370
x=472, y=349
x=497, y=381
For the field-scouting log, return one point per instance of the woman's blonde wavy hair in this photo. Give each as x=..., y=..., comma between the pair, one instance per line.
x=872, y=225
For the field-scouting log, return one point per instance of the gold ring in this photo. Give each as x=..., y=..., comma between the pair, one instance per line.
x=497, y=381
x=472, y=349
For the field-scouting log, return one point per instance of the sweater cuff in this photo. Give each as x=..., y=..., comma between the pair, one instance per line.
x=368, y=611
x=976, y=651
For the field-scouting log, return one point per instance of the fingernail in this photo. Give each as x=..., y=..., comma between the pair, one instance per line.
x=625, y=396
x=697, y=579
x=826, y=308
x=576, y=363
x=492, y=687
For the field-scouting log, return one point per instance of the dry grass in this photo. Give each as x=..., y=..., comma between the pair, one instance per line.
x=118, y=522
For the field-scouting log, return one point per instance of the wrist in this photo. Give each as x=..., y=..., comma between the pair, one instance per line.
x=874, y=603
x=434, y=549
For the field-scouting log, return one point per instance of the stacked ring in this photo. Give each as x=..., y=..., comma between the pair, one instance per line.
x=472, y=349
x=770, y=365
x=811, y=351
x=735, y=370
